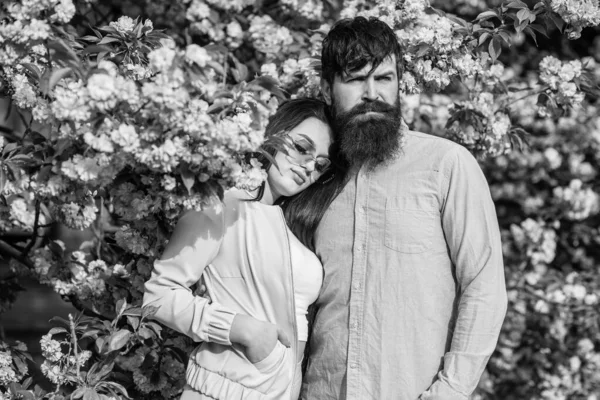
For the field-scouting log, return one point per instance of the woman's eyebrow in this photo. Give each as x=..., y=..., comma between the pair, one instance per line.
x=313, y=145
x=307, y=138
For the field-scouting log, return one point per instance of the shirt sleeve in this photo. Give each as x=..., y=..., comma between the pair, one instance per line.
x=193, y=245
x=471, y=228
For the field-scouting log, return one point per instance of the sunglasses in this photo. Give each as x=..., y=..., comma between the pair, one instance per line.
x=301, y=150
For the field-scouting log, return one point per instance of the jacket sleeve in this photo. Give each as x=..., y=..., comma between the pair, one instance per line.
x=471, y=228
x=193, y=245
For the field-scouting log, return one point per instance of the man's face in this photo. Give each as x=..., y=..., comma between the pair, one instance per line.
x=366, y=113
x=364, y=86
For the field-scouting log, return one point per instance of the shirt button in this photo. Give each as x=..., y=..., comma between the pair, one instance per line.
x=353, y=365
x=356, y=285
x=354, y=325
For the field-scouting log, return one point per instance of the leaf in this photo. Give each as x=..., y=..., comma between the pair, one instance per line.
x=118, y=340
x=101, y=374
x=539, y=28
x=93, y=333
x=37, y=73
x=494, y=49
x=523, y=14
x=558, y=21
x=148, y=311
x=108, y=39
x=21, y=160
x=117, y=387
x=21, y=365
x=27, y=382
x=487, y=15
x=57, y=250
x=145, y=333
x=485, y=36
x=25, y=394
x=516, y=4
x=100, y=344
x=120, y=307
x=133, y=321
x=91, y=394
x=269, y=83
x=63, y=50
x=89, y=38
x=155, y=327
x=9, y=147
x=3, y=178
x=240, y=72
x=133, y=311
x=422, y=50
x=44, y=173
x=95, y=48
x=217, y=67
x=56, y=76
x=60, y=320
x=458, y=20
x=77, y=394
x=55, y=331
x=520, y=26
x=506, y=37
x=531, y=33
x=188, y=178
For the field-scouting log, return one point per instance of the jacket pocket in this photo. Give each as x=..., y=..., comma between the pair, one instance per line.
x=273, y=360
x=410, y=223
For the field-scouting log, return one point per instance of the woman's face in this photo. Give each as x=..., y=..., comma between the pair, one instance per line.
x=307, y=156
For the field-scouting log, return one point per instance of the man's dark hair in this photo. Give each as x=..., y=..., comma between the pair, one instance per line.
x=353, y=43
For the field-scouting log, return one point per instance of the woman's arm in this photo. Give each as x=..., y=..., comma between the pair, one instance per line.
x=193, y=245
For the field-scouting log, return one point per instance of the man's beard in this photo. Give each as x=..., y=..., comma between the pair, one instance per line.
x=369, y=140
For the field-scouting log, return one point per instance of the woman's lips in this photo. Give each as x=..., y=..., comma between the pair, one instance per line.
x=299, y=178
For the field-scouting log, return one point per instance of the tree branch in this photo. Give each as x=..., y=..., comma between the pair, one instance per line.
x=36, y=226
x=10, y=251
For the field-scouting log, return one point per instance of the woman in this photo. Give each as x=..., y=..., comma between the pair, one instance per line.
x=260, y=277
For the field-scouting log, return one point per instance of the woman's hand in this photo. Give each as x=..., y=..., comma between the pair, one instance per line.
x=258, y=337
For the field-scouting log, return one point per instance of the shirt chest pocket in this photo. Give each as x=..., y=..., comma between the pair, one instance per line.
x=412, y=224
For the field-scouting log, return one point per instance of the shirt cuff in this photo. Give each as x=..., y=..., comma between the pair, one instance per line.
x=220, y=319
x=440, y=390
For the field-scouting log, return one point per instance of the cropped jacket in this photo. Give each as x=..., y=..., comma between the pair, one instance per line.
x=241, y=251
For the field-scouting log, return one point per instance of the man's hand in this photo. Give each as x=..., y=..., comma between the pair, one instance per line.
x=258, y=337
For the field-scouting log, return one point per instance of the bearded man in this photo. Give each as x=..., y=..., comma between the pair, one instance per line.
x=413, y=296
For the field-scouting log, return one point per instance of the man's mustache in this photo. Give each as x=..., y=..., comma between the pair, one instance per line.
x=371, y=106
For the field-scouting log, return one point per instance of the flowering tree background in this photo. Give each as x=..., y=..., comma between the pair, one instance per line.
x=131, y=111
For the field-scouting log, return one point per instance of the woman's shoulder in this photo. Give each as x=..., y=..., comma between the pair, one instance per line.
x=235, y=195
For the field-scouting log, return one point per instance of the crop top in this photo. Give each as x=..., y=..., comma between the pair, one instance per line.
x=308, y=277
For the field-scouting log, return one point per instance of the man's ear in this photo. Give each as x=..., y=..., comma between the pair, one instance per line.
x=326, y=91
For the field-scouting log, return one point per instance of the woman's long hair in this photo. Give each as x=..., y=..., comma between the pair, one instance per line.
x=304, y=211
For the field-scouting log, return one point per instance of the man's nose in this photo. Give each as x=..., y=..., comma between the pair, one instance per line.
x=369, y=90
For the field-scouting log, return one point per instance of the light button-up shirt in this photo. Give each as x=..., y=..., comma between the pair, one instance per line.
x=413, y=295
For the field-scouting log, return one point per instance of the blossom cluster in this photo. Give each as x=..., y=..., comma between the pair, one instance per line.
x=579, y=202
x=58, y=365
x=12, y=366
x=536, y=240
x=479, y=127
x=578, y=14
x=561, y=79
x=311, y=9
